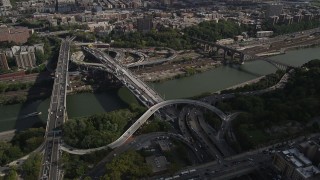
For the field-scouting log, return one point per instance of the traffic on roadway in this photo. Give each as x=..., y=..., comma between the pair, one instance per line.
x=56, y=116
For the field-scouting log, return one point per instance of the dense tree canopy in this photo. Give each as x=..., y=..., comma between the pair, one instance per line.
x=11, y=175
x=293, y=107
x=129, y=165
x=155, y=126
x=279, y=29
x=31, y=167
x=212, y=31
x=22, y=143
x=164, y=37
x=76, y=166
x=96, y=130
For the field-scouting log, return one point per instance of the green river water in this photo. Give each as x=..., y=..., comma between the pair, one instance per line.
x=85, y=104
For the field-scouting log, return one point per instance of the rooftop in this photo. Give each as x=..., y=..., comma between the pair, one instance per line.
x=157, y=163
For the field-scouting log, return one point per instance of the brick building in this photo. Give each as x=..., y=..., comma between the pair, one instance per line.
x=17, y=35
x=3, y=61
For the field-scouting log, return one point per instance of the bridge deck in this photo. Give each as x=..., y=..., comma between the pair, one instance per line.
x=56, y=115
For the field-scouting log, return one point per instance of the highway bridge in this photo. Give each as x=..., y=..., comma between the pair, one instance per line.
x=57, y=115
x=212, y=46
x=141, y=90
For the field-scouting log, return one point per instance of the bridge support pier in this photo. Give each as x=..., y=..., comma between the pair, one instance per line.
x=232, y=56
x=242, y=58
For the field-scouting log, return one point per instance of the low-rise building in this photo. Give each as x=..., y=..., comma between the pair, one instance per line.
x=164, y=145
x=295, y=165
x=157, y=164
x=261, y=34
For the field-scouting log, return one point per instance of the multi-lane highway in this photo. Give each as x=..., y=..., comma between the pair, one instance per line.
x=142, y=91
x=56, y=116
x=136, y=143
x=230, y=168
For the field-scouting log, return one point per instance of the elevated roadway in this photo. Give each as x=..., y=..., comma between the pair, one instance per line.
x=56, y=116
x=141, y=90
x=154, y=62
x=135, y=126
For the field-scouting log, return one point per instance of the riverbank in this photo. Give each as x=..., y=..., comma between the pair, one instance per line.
x=85, y=104
x=176, y=73
x=314, y=45
x=249, y=82
x=7, y=135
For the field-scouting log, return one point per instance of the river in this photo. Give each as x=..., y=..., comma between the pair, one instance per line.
x=79, y=105
x=85, y=104
x=226, y=76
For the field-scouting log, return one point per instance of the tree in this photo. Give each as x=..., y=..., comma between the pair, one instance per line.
x=11, y=175
x=129, y=164
x=40, y=57
x=34, y=39
x=96, y=130
x=31, y=167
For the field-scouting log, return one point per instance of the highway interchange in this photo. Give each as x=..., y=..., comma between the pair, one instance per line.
x=57, y=115
x=196, y=122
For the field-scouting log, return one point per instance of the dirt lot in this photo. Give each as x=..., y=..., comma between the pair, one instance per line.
x=174, y=69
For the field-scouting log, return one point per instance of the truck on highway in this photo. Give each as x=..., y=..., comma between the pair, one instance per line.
x=131, y=87
x=136, y=91
x=144, y=98
x=184, y=172
x=176, y=176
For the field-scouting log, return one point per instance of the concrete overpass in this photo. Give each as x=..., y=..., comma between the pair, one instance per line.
x=57, y=115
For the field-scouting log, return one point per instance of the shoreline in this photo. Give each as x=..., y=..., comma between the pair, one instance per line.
x=171, y=74
x=252, y=81
x=7, y=135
